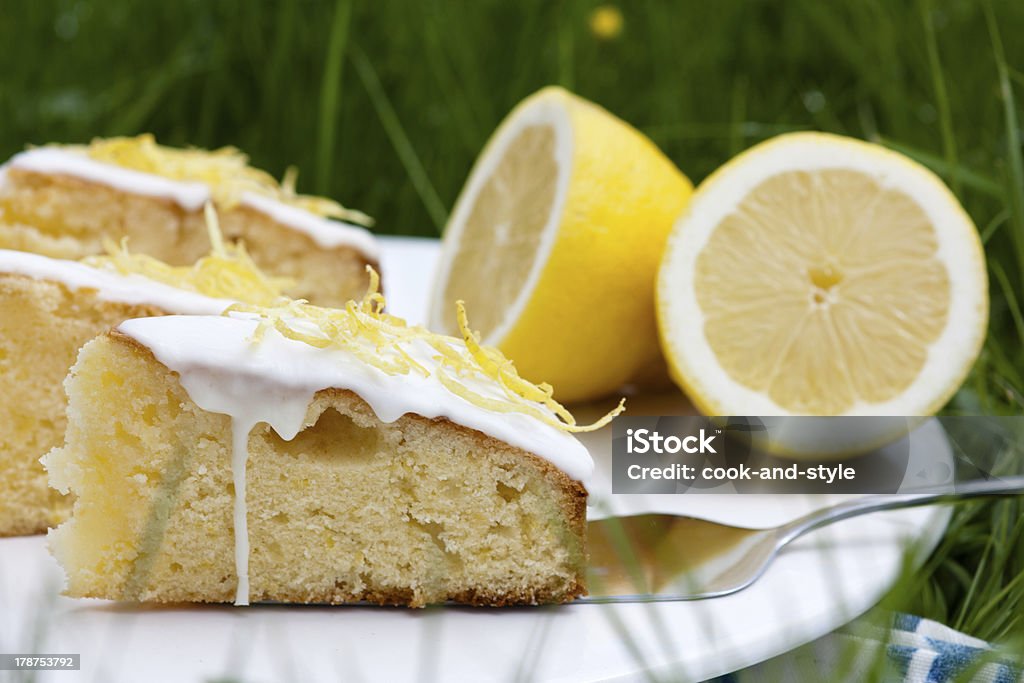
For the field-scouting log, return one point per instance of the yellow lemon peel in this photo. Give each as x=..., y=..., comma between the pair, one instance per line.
x=226, y=171
x=227, y=272
x=382, y=340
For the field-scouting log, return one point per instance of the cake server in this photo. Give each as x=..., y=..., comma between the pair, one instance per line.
x=665, y=558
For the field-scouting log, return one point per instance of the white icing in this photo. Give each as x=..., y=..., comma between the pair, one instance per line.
x=189, y=195
x=109, y=286
x=275, y=380
x=324, y=231
x=73, y=162
x=239, y=466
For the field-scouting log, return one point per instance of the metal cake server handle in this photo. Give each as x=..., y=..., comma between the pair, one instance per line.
x=661, y=557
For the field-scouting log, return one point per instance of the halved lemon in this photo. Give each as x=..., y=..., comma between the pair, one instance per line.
x=555, y=242
x=820, y=275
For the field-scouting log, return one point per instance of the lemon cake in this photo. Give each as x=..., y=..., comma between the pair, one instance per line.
x=48, y=309
x=315, y=456
x=66, y=200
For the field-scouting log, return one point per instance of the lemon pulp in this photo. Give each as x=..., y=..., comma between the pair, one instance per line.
x=508, y=218
x=845, y=306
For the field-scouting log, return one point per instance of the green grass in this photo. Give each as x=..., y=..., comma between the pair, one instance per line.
x=385, y=105
x=974, y=580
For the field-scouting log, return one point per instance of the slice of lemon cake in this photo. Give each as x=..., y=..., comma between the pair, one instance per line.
x=49, y=308
x=314, y=456
x=66, y=200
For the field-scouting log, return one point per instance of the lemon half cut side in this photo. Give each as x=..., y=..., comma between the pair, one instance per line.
x=819, y=275
x=554, y=245
x=505, y=221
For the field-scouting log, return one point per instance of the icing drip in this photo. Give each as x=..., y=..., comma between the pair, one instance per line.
x=248, y=401
x=239, y=463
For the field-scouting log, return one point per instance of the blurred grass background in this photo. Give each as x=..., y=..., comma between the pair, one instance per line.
x=359, y=94
x=384, y=105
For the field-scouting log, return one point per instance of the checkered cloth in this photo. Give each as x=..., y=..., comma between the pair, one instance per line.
x=916, y=651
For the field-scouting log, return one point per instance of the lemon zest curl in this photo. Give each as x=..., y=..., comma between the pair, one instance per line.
x=383, y=341
x=227, y=272
x=226, y=171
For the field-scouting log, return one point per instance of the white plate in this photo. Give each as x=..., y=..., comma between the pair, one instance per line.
x=823, y=581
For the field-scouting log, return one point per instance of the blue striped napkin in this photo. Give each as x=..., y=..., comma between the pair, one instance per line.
x=916, y=651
